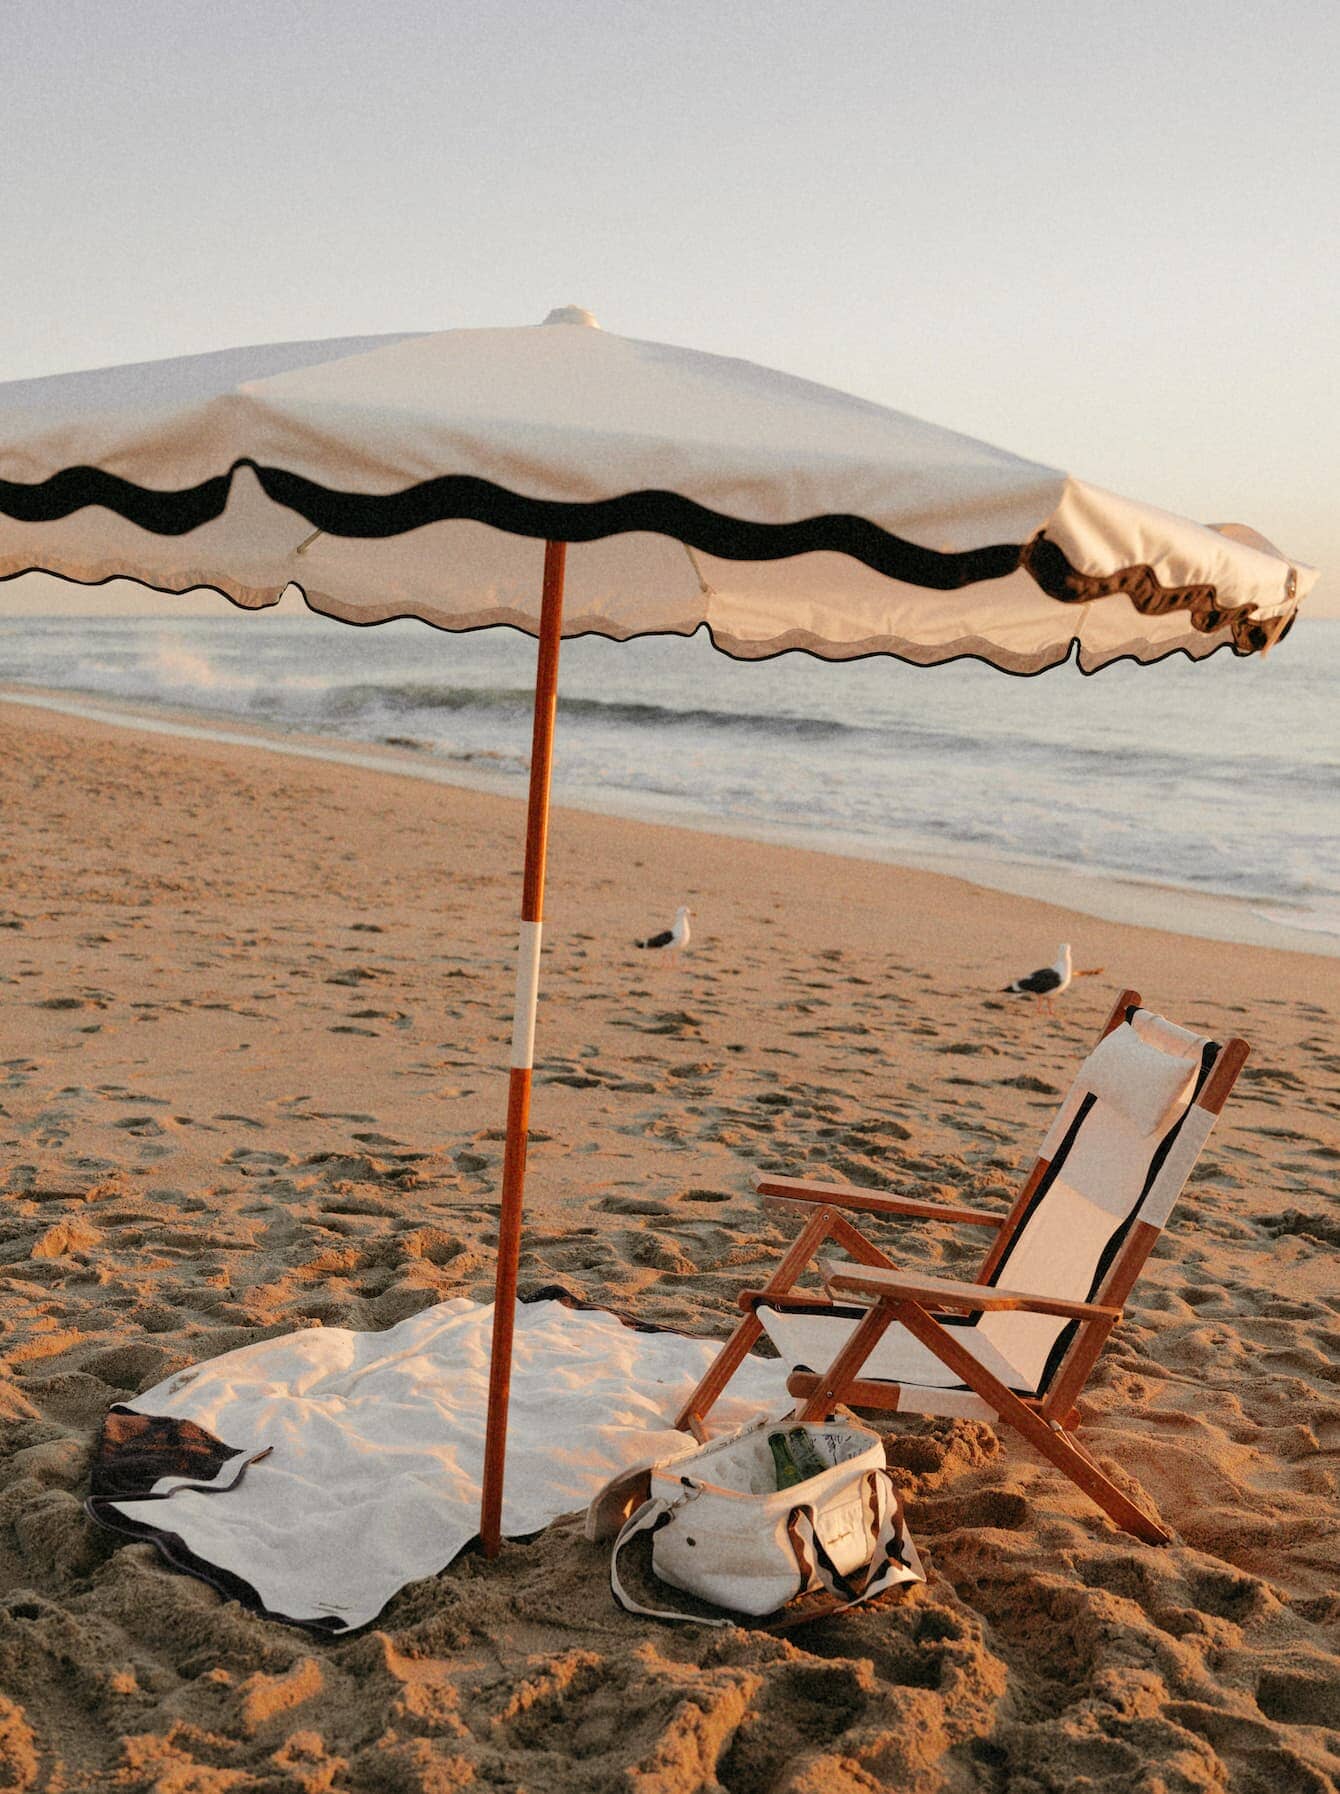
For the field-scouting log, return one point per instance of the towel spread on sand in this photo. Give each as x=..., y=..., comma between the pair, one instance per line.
x=313, y=1475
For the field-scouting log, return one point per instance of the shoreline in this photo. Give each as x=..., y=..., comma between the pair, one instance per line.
x=1101, y=894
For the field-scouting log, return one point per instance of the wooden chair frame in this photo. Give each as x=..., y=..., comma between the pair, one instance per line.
x=916, y=1302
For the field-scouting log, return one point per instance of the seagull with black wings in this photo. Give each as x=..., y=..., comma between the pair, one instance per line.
x=674, y=938
x=1047, y=982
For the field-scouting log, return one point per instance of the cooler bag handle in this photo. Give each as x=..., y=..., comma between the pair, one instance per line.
x=893, y=1559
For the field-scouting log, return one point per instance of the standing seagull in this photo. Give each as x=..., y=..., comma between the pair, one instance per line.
x=675, y=937
x=1046, y=983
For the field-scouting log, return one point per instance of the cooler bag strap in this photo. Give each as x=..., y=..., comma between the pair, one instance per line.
x=650, y=1517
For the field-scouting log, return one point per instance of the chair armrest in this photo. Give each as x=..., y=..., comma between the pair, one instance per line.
x=799, y=1189
x=844, y=1279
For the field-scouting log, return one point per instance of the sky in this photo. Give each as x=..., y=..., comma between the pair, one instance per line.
x=1104, y=237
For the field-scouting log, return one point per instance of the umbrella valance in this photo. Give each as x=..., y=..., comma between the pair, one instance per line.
x=417, y=475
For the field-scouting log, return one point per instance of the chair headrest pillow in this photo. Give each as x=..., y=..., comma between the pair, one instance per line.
x=1158, y=1031
x=1148, y=1086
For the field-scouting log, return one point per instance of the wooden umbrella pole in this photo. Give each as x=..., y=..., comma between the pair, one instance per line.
x=523, y=1044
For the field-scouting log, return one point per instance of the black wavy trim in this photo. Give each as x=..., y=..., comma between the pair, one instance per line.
x=372, y=516
x=1048, y=566
x=75, y=488
x=462, y=496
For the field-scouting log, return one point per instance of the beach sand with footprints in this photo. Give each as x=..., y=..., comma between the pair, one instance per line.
x=253, y=1031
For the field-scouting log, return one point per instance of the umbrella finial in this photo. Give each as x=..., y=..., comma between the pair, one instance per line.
x=572, y=314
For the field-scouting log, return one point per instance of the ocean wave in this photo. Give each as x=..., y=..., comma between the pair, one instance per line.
x=516, y=700
x=1077, y=762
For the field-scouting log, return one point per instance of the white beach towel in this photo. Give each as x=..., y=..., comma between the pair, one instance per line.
x=334, y=1467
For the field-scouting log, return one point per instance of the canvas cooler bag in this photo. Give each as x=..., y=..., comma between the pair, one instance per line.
x=723, y=1530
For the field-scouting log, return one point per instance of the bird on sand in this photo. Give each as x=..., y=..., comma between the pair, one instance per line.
x=1047, y=982
x=676, y=937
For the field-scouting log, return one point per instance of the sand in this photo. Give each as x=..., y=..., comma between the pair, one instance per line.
x=255, y=1014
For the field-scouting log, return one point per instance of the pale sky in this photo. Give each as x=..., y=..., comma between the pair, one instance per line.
x=1106, y=237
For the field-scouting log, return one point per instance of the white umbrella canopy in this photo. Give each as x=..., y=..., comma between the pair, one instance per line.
x=417, y=476
x=414, y=475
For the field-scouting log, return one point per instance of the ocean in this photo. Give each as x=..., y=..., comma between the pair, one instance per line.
x=1217, y=779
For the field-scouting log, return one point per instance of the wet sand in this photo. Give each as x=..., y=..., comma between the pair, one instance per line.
x=255, y=1017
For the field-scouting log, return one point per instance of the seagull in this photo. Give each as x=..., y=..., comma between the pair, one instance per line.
x=1046, y=983
x=675, y=937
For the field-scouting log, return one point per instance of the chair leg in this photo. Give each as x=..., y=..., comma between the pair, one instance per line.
x=838, y=1379
x=822, y=1224
x=1109, y=1497
x=722, y=1368
x=1043, y=1435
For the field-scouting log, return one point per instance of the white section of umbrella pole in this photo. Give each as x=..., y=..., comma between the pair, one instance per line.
x=523, y=1045
x=527, y=995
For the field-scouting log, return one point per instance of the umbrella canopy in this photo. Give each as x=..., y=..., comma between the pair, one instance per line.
x=401, y=475
x=416, y=476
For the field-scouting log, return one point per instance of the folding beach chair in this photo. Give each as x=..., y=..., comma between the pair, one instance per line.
x=1016, y=1344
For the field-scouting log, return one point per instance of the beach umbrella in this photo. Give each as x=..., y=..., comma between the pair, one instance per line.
x=417, y=476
